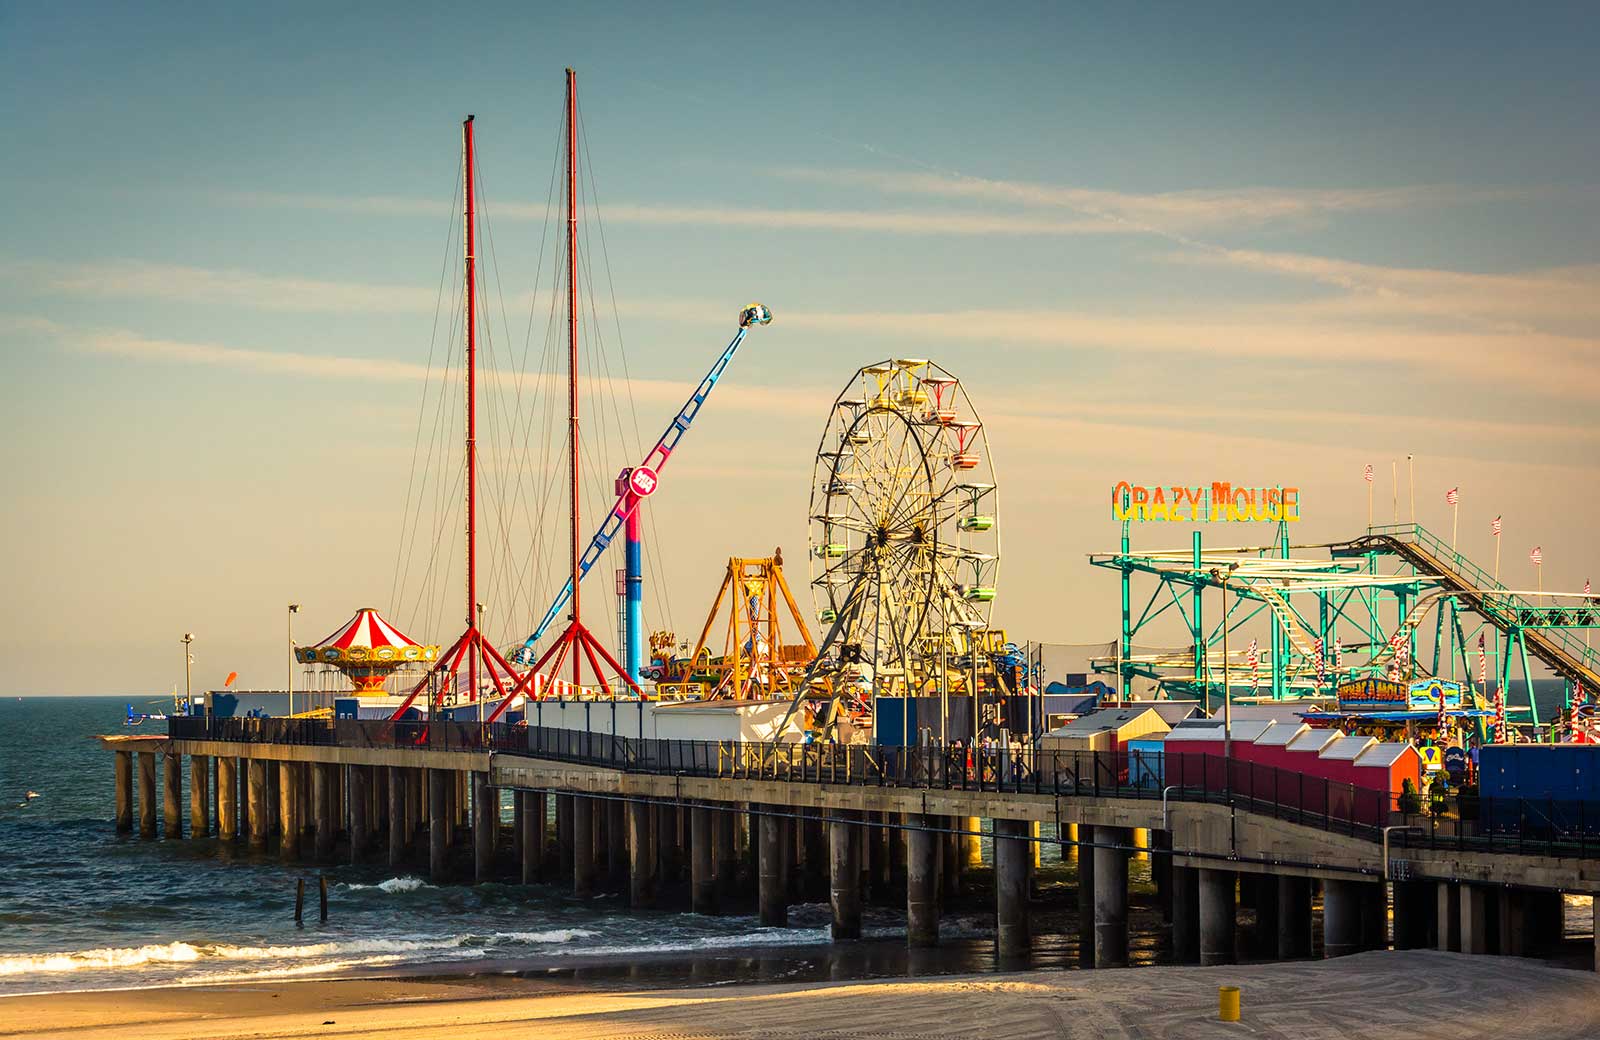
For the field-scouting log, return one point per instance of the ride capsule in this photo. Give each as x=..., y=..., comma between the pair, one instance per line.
x=755, y=314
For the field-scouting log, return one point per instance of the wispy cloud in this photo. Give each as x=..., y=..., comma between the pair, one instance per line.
x=887, y=221
x=1171, y=212
x=1563, y=296
x=136, y=346
x=1540, y=363
x=146, y=280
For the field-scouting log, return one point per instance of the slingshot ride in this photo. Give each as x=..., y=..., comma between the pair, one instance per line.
x=905, y=546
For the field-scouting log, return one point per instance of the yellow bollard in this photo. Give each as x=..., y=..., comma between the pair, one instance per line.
x=1228, y=1003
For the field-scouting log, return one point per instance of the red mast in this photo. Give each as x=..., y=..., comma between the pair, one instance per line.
x=572, y=347
x=575, y=639
x=470, y=241
x=472, y=648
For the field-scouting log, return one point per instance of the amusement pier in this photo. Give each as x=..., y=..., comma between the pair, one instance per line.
x=1312, y=749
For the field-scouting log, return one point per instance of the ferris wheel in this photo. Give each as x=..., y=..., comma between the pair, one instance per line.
x=905, y=541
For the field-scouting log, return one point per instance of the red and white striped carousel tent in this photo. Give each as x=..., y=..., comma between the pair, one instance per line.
x=367, y=648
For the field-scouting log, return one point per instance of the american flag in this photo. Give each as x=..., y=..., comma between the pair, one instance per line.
x=1338, y=656
x=1494, y=527
x=1402, y=654
x=1453, y=496
x=1253, y=659
x=1397, y=640
x=1321, y=651
x=1367, y=475
x=1537, y=556
x=1586, y=586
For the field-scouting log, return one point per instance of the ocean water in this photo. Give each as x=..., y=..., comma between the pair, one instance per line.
x=82, y=908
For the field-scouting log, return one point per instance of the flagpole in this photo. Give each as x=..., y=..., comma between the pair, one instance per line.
x=1455, y=523
x=1497, y=559
x=1394, y=486
x=1411, y=482
x=1369, y=505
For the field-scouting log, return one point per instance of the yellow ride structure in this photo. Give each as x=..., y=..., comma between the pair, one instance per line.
x=756, y=662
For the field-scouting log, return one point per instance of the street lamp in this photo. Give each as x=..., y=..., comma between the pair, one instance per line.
x=188, y=660
x=1221, y=576
x=294, y=608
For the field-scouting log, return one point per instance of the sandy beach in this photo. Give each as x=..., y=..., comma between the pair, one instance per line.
x=1378, y=995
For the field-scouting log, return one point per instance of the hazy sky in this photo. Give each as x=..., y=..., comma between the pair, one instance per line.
x=1265, y=244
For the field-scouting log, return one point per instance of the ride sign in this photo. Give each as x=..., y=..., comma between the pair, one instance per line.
x=642, y=481
x=1222, y=502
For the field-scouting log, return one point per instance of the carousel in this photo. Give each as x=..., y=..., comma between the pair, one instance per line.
x=367, y=649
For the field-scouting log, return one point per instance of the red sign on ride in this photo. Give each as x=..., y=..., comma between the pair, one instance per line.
x=643, y=481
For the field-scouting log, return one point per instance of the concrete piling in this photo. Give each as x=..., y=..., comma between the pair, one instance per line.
x=1111, y=899
x=564, y=836
x=725, y=824
x=289, y=802
x=1217, y=916
x=1085, y=856
x=321, y=805
x=618, y=868
x=772, y=884
x=702, y=860
x=257, y=789
x=642, y=857
x=950, y=857
x=583, y=843
x=171, y=795
x=399, y=825
x=1011, y=859
x=1473, y=918
x=360, y=781
x=1264, y=942
x=922, y=882
x=1448, y=915
x=1294, y=918
x=485, y=826
x=531, y=835
x=199, y=795
x=124, y=774
x=1185, y=889
x=972, y=841
x=669, y=853
x=441, y=784
x=228, y=798
x=1341, y=917
x=844, y=877
x=1415, y=907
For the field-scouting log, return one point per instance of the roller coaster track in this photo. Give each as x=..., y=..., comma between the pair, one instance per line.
x=1303, y=642
x=1560, y=650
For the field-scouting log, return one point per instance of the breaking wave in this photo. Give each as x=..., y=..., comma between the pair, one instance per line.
x=364, y=951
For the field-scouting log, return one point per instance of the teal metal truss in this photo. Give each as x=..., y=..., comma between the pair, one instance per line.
x=1396, y=599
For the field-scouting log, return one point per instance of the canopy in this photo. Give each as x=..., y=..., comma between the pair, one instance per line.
x=366, y=637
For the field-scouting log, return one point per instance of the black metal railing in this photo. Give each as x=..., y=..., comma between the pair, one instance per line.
x=1526, y=826
x=1280, y=793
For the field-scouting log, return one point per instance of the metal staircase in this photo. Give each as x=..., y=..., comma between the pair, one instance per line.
x=1561, y=651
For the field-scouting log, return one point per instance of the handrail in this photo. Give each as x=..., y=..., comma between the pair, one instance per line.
x=1502, y=608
